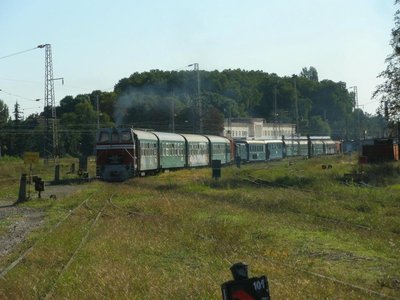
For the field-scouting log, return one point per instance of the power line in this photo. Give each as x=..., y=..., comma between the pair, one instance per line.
x=20, y=80
x=20, y=52
x=18, y=96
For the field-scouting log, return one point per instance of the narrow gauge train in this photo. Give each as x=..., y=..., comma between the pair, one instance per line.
x=122, y=153
x=125, y=152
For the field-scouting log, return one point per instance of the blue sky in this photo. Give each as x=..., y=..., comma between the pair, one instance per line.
x=96, y=43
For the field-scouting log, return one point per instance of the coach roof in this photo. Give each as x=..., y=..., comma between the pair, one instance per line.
x=217, y=139
x=144, y=135
x=167, y=136
x=194, y=138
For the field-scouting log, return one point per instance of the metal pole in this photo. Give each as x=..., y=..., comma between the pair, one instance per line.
x=199, y=99
x=173, y=115
x=199, y=104
x=296, y=105
x=98, y=114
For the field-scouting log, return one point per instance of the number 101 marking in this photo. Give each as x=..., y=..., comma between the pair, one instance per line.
x=259, y=285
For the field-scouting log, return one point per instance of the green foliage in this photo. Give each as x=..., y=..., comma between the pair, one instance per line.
x=167, y=100
x=310, y=73
x=3, y=113
x=318, y=126
x=389, y=91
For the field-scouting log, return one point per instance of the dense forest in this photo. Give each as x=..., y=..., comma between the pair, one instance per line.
x=180, y=100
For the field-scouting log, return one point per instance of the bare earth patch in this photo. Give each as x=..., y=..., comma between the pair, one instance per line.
x=17, y=222
x=21, y=220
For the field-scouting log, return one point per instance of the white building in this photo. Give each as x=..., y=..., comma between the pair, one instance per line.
x=257, y=128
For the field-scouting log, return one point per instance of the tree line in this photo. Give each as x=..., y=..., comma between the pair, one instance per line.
x=182, y=101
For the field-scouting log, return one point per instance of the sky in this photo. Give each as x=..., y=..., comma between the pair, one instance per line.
x=95, y=43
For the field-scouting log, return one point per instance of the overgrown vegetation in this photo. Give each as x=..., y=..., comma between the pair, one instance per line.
x=175, y=235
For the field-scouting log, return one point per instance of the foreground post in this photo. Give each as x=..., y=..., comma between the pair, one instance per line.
x=57, y=174
x=22, y=189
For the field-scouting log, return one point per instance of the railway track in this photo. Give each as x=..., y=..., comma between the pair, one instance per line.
x=7, y=269
x=92, y=223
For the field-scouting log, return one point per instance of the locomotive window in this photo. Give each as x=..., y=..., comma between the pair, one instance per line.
x=114, y=137
x=126, y=136
x=104, y=136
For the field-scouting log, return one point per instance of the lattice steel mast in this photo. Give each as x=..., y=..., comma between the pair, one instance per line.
x=198, y=107
x=51, y=134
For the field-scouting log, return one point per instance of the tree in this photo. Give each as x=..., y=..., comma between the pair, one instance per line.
x=17, y=113
x=318, y=126
x=15, y=133
x=389, y=90
x=310, y=73
x=3, y=113
x=3, y=122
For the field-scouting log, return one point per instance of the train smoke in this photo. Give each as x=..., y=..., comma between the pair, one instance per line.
x=145, y=100
x=129, y=99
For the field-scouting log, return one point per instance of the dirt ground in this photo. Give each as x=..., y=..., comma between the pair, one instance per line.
x=17, y=222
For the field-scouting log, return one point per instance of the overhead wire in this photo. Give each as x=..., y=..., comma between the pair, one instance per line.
x=17, y=53
x=18, y=96
x=19, y=80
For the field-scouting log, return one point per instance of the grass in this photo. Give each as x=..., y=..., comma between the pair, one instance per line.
x=174, y=236
x=12, y=168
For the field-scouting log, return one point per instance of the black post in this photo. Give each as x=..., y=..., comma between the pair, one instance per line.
x=239, y=271
x=57, y=174
x=216, y=168
x=22, y=189
x=284, y=148
x=309, y=146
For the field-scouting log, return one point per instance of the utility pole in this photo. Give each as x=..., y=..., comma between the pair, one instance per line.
x=98, y=114
x=199, y=104
x=172, y=115
x=296, y=107
x=357, y=109
x=51, y=134
x=275, y=126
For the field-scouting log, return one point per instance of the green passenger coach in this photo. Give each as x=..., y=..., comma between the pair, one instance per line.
x=171, y=150
x=197, y=150
x=219, y=148
x=147, y=151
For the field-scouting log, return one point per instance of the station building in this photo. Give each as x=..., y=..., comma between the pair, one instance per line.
x=257, y=128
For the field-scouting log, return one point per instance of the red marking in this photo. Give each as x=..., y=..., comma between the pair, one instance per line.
x=241, y=295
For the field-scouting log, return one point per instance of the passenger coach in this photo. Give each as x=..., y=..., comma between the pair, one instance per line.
x=172, y=150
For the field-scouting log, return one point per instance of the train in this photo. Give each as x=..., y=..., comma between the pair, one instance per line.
x=123, y=153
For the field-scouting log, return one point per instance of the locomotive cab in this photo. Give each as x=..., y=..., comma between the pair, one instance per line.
x=115, y=154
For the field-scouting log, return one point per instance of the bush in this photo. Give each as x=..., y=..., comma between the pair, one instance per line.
x=381, y=174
